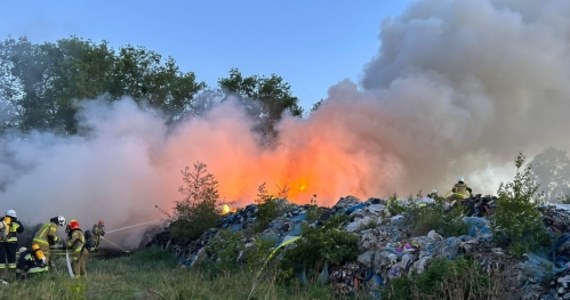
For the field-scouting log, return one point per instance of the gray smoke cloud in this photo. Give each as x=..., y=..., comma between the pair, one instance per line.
x=459, y=87
x=107, y=174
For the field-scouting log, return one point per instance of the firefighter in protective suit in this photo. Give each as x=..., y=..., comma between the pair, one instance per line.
x=31, y=262
x=46, y=237
x=460, y=190
x=76, y=245
x=10, y=227
x=98, y=231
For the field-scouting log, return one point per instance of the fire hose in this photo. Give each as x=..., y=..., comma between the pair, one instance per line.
x=68, y=262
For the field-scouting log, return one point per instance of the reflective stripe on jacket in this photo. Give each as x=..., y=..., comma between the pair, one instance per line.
x=15, y=228
x=46, y=235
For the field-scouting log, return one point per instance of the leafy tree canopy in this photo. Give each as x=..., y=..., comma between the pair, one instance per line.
x=265, y=98
x=45, y=80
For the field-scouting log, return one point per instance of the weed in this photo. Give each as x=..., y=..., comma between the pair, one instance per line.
x=457, y=279
x=197, y=212
x=517, y=220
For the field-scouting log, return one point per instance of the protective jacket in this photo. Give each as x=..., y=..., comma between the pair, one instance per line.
x=98, y=230
x=13, y=230
x=79, y=253
x=460, y=189
x=47, y=235
x=76, y=241
x=29, y=263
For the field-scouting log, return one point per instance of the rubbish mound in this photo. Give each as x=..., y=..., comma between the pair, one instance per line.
x=389, y=250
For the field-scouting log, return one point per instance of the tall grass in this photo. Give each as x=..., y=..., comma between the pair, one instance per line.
x=153, y=274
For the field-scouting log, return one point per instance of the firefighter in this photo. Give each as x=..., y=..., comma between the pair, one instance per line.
x=460, y=190
x=9, y=241
x=31, y=262
x=98, y=231
x=76, y=245
x=46, y=237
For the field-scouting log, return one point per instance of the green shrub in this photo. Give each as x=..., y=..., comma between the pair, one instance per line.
x=444, y=279
x=197, y=212
x=422, y=219
x=395, y=206
x=257, y=253
x=224, y=249
x=313, y=212
x=321, y=245
x=517, y=220
x=269, y=207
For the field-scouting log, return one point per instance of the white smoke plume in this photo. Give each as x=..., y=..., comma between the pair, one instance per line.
x=459, y=86
x=457, y=89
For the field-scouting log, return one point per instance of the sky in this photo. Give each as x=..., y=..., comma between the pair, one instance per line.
x=311, y=44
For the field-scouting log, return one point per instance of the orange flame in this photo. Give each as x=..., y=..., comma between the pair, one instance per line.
x=309, y=159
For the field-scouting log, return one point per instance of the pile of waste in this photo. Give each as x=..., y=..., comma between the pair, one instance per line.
x=389, y=250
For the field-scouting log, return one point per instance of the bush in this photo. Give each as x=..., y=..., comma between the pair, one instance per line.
x=313, y=212
x=318, y=246
x=224, y=250
x=269, y=207
x=422, y=219
x=517, y=220
x=443, y=279
x=197, y=212
x=395, y=206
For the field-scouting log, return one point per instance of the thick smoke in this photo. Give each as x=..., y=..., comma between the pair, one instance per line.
x=457, y=89
x=460, y=86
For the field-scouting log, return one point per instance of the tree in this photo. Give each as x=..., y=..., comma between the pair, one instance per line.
x=317, y=105
x=551, y=169
x=265, y=98
x=55, y=76
x=141, y=74
x=11, y=92
x=517, y=221
x=197, y=211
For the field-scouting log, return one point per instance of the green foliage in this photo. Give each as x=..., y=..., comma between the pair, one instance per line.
x=56, y=76
x=259, y=251
x=456, y=279
x=152, y=274
x=395, y=206
x=422, y=219
x=269, y=207
x=313, y=212
x=197, y=212
x=517, y=220
x=370, y=224
x=320, y=245
x=317, y=105
x=265, y=98
x=224, y=249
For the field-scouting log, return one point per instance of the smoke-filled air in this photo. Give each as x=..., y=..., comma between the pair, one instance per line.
x=457, y=88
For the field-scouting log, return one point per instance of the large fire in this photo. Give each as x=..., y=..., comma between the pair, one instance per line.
x=312, y=159
x=308, y=162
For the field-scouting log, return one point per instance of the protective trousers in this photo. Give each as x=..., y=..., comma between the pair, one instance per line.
x=8, y=255
x=78, y=261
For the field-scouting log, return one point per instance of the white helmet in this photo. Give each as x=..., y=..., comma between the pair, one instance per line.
x=11, y=213
x=22, y=250
x=61, y=221
x=461, y=179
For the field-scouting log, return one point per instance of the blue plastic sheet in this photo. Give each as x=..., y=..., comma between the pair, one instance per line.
x=478, y=227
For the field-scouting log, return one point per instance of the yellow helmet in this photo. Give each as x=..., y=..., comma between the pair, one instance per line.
x=35, y=247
